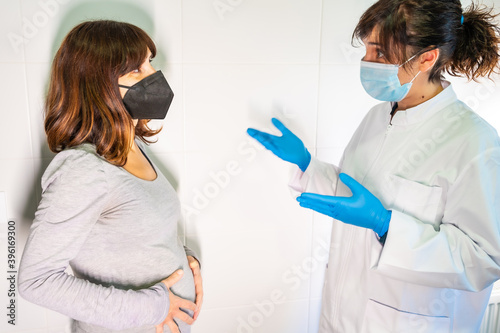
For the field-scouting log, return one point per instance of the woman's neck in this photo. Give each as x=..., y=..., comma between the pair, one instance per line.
x=420, y=95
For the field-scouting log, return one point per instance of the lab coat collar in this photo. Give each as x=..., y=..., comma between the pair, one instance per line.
x=427, y=109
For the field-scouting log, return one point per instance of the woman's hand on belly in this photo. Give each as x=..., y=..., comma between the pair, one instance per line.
x=198, y=285
x=176, y=303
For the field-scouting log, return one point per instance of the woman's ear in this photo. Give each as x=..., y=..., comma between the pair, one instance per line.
x=428, y=60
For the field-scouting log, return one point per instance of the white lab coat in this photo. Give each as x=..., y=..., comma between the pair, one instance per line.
x=437, y=167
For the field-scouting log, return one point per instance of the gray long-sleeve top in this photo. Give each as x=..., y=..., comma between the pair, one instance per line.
x=119, y=235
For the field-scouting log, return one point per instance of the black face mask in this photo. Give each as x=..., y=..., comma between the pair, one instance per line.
x=149, y=98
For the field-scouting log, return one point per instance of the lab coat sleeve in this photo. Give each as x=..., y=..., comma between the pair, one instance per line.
x=465, y=252
x=319, y=177
x=73, y=198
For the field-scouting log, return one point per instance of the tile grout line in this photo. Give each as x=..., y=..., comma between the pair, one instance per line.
x=316, y=151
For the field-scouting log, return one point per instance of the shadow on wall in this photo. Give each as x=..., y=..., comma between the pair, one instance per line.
x=105, y=10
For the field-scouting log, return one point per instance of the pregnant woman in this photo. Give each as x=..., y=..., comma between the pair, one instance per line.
x=106, y=210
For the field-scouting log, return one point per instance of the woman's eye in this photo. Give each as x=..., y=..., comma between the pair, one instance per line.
x=380, y=54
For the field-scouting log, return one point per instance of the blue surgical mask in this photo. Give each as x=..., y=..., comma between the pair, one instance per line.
x=381, y=81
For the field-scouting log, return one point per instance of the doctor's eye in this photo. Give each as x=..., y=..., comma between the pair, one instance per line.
x=380, y=54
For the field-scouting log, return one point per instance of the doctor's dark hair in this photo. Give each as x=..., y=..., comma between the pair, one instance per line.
x=83, y=104
x=468, y=46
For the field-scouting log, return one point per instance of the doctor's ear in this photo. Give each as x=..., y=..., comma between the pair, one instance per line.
x=428, y=59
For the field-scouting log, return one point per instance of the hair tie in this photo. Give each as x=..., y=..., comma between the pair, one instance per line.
x=462, y=20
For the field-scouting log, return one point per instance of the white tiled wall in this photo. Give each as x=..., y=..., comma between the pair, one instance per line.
x=232, y=64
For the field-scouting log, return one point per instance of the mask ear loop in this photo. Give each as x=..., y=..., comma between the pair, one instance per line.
x=419, y=53
x=407, y=61
x=415, y=77
x=414, y=57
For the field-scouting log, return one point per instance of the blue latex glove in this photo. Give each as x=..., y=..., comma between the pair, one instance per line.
x=288, y=147
x=363, y=209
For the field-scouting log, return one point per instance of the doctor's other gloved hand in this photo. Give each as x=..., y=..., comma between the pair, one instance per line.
x=362, y=209
x=288, y=146
x=176, y=306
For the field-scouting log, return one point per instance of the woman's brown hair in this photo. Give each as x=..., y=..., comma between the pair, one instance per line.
x=84, y=104
x=468, y=40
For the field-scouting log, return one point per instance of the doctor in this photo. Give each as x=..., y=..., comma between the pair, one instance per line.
x=417, y=193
